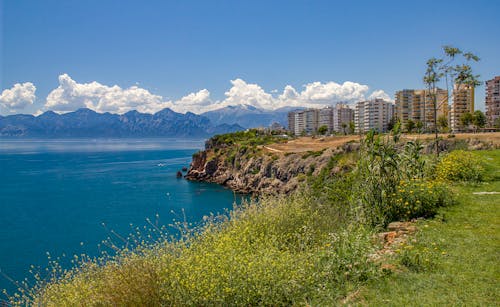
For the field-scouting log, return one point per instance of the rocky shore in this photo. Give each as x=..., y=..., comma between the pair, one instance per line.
x=256, y=170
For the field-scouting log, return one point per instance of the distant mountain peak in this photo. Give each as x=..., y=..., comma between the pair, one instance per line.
x=88, y=123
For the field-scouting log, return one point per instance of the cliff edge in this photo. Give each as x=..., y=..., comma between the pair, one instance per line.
x=256, y=168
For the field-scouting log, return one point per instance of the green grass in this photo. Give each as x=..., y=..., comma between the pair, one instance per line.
x=462, y=246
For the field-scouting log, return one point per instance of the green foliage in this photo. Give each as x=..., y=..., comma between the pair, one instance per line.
x=385, y=170
x=478, y=119
x=314, y=154
x=466, y=119
x=460, y=165
x=443, y=123
x=323, y=130
x=417, y=198
x=250, y=137
x=410, y=126
x=452, y=259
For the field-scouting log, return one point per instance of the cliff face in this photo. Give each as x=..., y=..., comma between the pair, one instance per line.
x=255, y=169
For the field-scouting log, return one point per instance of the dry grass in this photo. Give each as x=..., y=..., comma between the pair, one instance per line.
x=304, y=144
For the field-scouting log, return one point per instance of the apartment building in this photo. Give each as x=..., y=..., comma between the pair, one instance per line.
x=373, y=114
x=308, y=121
x=418, y=106
x=492, y=102
x=325, y=118
x=463, y=102
x=342, y=116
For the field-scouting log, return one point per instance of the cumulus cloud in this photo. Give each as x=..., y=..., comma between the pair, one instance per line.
x=194, y=102
x=70, y=95
x=18, y=97
x=380, y=94
x=314, y=94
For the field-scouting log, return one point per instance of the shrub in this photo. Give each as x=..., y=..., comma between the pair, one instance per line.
x=460, y=165
x=417, y=198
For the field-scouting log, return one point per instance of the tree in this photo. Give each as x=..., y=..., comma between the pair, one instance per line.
x=443, y=123
x=496, y=124
x=391, y=123
x=352, y=127
x=322, y=130
x=466, y=120
x=453, y=73
x=410, y=125
x=344, y=125
x=478, y=120
x=419, y=125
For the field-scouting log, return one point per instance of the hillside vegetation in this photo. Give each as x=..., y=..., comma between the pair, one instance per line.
x=316, y=246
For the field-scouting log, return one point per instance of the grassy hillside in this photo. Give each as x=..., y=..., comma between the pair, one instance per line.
x=314, y=247
x=462, y=247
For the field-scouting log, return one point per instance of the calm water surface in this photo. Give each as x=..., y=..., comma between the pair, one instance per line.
x=55, y=195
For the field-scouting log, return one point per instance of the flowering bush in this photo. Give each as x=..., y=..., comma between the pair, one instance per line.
x=417, y=198
x=460, y=165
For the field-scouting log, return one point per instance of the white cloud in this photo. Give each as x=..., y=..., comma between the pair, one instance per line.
x=18, y=97
x=194, y=102
x=70, y=95
x=314, y=94
x=322, y=93
x=380, y=94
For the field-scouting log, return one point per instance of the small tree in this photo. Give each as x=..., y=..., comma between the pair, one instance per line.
x=496, y=124
x=344, y=126
x=478, y=120
x=352, y=127
x=322, y=130
x=453, y=73
x=443, y=123
x=391, y=123
x=419, y=125
x=466, y=120
x=410, y=125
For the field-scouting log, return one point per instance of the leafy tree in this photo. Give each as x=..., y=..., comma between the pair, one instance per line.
x=478, y=120
x=352, y=127
x=392, y=122
x=496, y=124
x=466, y=120
x=455, y=70
x=419, y=125
x=344, y=126
x=410, y=125
x=443, y=123
x=322, y=130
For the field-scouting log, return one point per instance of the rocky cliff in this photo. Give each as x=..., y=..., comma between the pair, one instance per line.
x=255, y=169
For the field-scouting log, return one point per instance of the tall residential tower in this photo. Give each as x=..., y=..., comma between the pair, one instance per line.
x=493, y=100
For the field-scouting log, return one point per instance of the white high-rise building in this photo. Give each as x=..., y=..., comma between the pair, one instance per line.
x=373, y=114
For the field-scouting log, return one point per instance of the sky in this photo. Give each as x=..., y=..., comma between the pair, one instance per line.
x=119, y=55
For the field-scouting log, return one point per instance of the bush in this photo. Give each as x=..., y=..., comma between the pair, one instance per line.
x=417, y=198
x=460, y=165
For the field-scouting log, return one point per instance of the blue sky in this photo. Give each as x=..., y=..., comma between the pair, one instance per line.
x=191, y=55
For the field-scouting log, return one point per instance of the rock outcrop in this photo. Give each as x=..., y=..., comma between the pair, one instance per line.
x=255, y=169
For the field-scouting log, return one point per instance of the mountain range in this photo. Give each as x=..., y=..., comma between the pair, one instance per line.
x=249, y=116
x=165, y=123
x=88, y=123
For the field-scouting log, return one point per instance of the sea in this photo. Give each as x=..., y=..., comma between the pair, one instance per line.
x=60, y=198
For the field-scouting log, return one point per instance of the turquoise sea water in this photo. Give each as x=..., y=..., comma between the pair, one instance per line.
x=55, y=195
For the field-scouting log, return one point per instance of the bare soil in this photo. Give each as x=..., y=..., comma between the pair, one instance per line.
x=304, y=144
